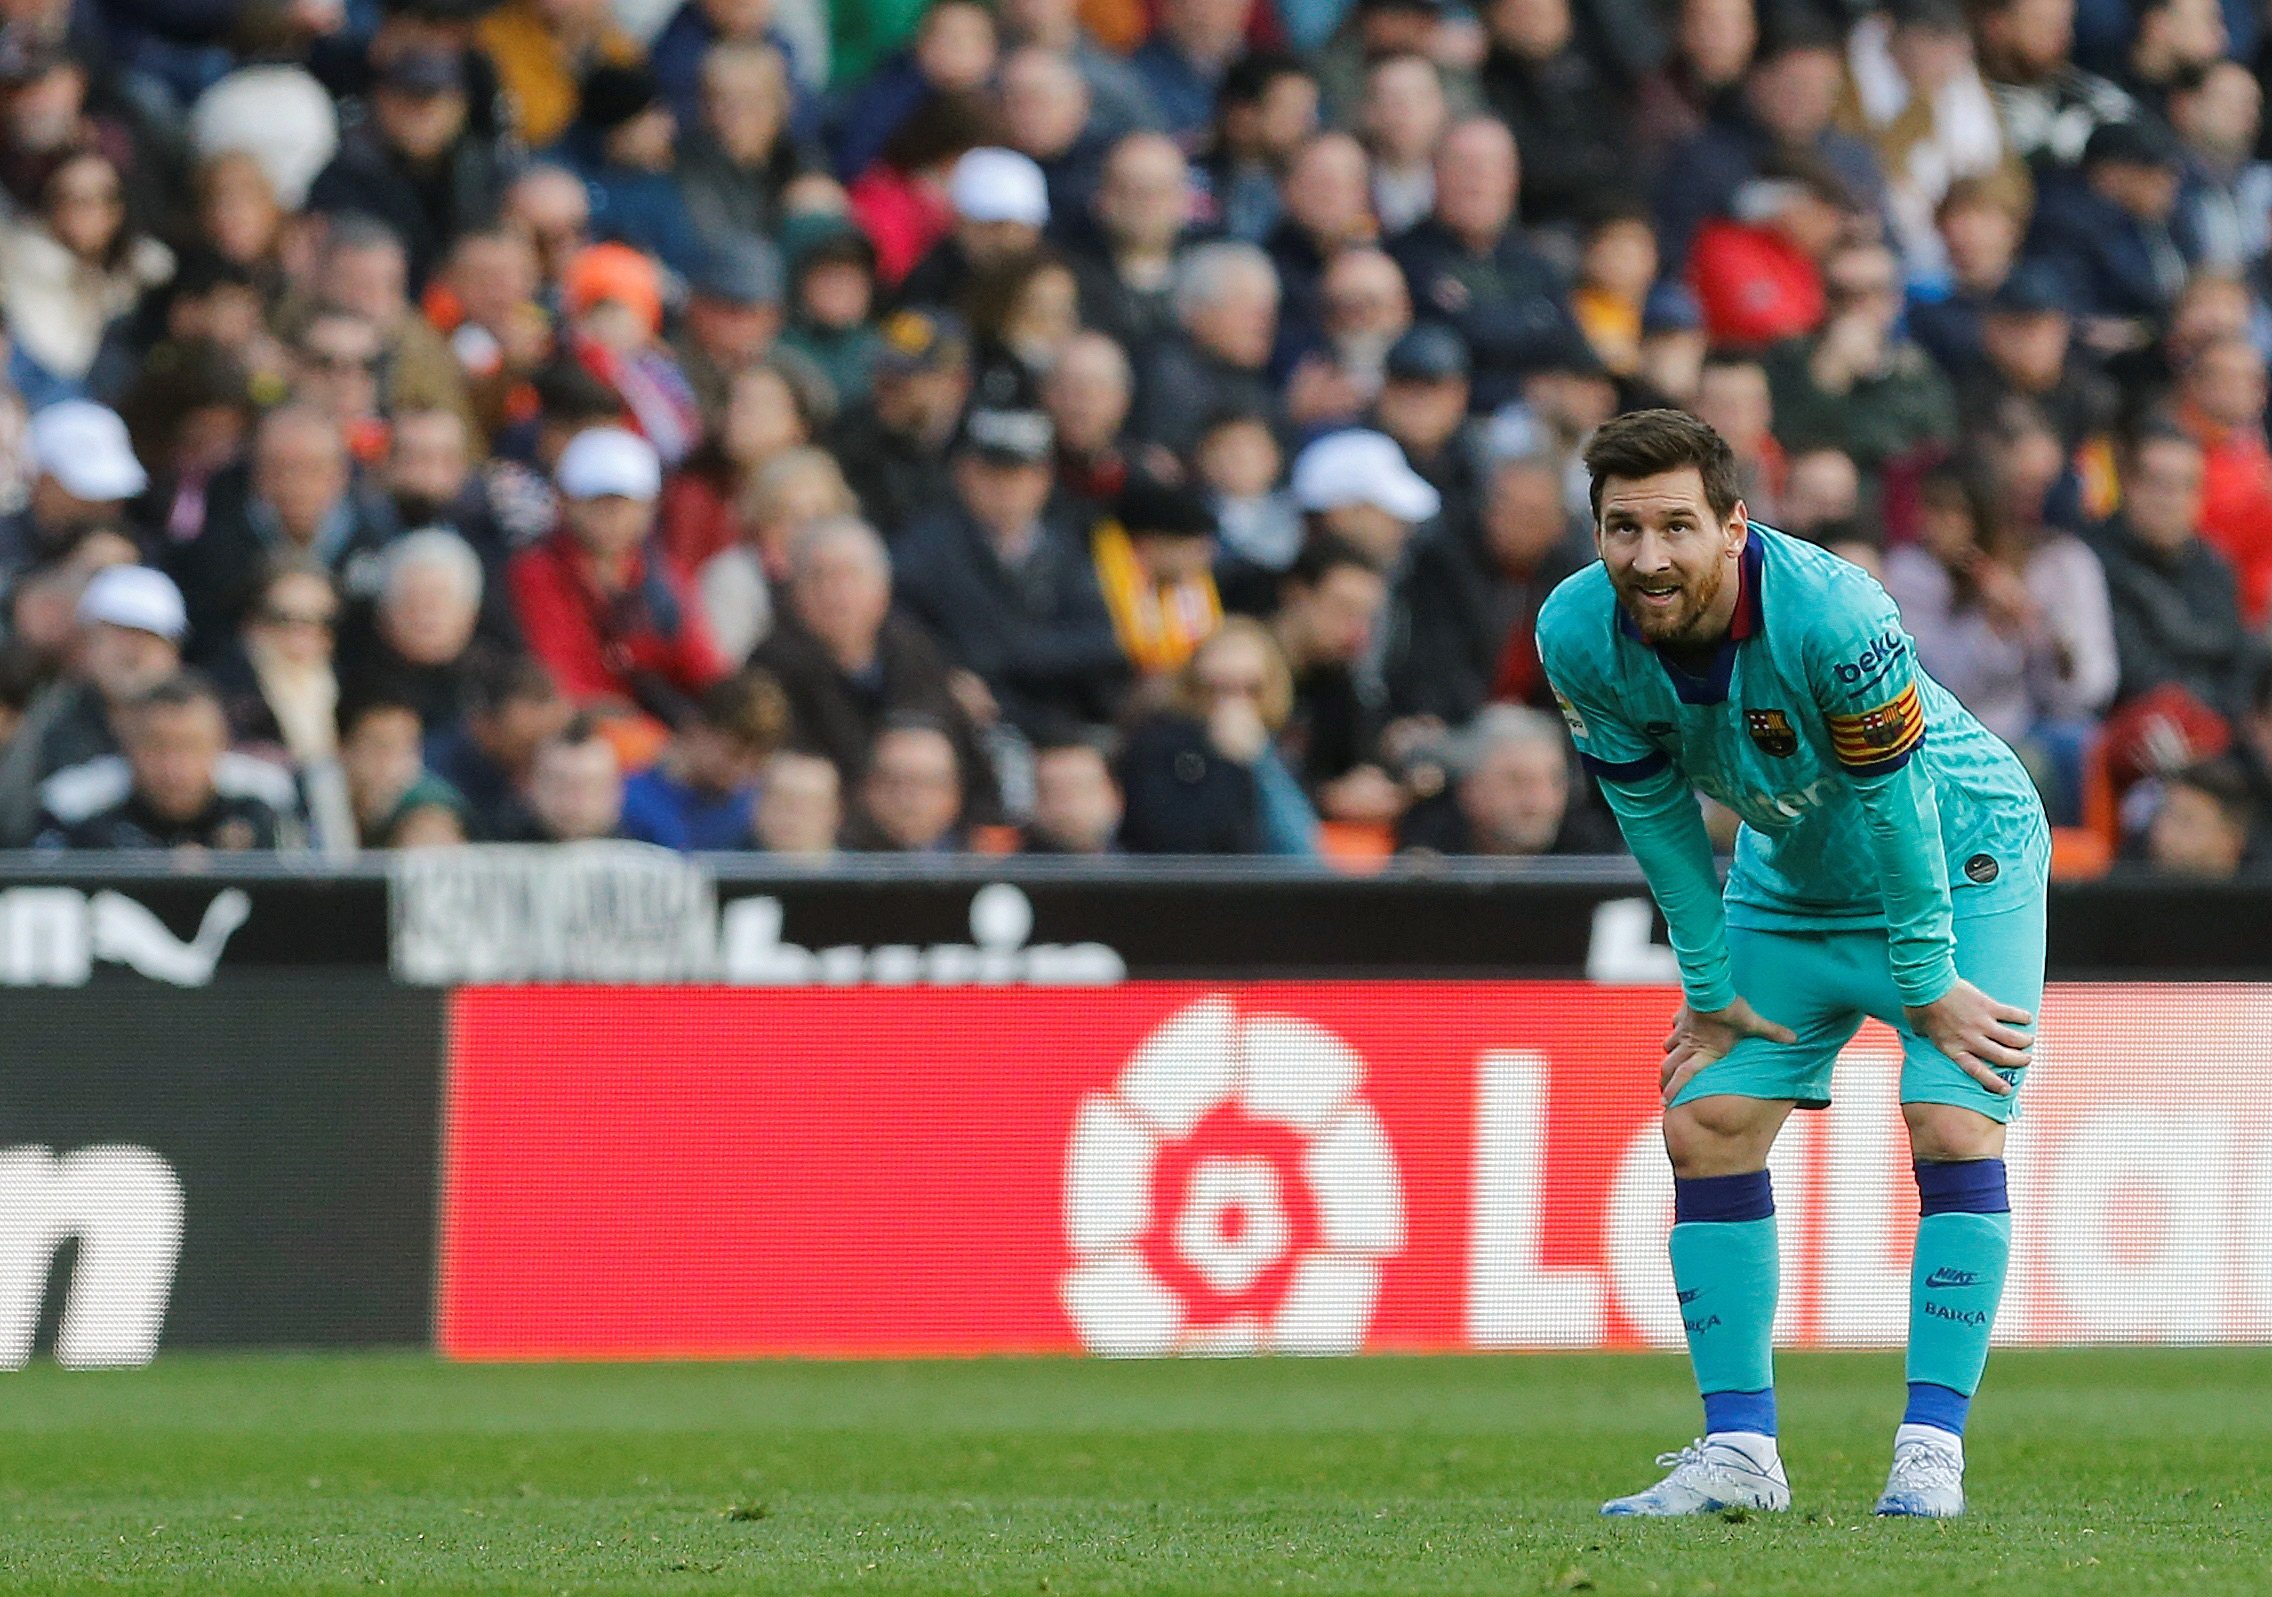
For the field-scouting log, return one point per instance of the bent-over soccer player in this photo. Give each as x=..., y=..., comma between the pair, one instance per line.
x=1892, y=862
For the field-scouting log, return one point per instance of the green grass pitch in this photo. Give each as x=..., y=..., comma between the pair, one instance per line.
x=2110, y=1471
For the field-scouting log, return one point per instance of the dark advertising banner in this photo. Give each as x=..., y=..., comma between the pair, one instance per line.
x=249, y=1164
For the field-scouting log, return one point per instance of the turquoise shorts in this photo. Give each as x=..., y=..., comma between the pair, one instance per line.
x=1822, y=984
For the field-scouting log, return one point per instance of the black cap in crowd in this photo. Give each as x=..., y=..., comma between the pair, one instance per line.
x=612, y=95
x=914, y=341
x=1012, y=437
x=1151, y=505
x=2136, y=143
x=423, y=72
x=1428, y=353
x=741, y=269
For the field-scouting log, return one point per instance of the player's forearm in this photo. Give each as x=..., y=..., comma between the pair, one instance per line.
x=1665, y=830
x=1905, y=835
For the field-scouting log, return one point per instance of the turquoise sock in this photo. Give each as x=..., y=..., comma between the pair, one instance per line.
x=1964, y=1241
x=1726, y=1269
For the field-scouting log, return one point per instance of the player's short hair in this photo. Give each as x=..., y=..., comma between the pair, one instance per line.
x=1645, y=443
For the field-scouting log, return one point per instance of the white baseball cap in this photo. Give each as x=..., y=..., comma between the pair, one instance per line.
x=84, y=446
x=996, y=185
x=1358, y=467
x=605, y=462
x=137, y=598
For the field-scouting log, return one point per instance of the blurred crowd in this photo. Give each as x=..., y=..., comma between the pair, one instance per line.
x=1087, y=426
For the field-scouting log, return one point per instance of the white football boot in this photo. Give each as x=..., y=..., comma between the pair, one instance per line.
x=1706, y=1477
x=1927, y=1481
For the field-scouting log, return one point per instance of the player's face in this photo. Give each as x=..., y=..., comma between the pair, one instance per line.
x=1669, y=558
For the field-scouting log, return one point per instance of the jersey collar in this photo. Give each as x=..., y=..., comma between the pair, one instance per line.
x=1712, y=686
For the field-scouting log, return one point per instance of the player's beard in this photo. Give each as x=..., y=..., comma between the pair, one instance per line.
x=1671, y=623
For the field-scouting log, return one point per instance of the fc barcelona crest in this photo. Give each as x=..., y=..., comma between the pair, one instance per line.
x=1772, y=731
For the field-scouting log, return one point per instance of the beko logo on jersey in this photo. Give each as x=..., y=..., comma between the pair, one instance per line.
x=1881, y=653
x=1760, y=807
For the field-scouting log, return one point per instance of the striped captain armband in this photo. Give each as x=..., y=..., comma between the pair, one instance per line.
x=1879, y=740
x=1647, y=765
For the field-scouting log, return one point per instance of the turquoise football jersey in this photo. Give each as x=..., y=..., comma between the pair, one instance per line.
x=1868, y=794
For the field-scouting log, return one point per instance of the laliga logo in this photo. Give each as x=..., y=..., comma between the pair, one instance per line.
x=1231, y=1194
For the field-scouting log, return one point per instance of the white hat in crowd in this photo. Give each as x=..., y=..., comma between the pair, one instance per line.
x=994, y=185
x=1359, y=467
x=280, y=116
x=84, y=447
x=608, y=462
x=137, y=598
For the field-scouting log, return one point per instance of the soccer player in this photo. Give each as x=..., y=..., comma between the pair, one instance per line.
x=1892, y=862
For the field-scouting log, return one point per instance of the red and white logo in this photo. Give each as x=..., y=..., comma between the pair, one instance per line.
x=1233, y=1193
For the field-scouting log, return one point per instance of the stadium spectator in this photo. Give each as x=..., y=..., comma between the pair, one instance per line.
x=1512, y=795
x=2113, y=234
x=1267, y=108
x=2177, y=619
x=800, y=808
x=1076, y=803
x=1126, y=265
x=417, y=641
x=1470, y=267
x=278, y=681
x=737, y=154
x=1329, y=616
x=131, y=623
x=1088, y=394
x=174, y=785
x=846, y=661
x=397, y=802
x=1326, y=207
x=790, y=492
x=608, y=616
x=894, y=450
x=1008, y=590
x=1978, y=226
x=1859, y=384
x=417, y=164
x=363, y=270
x=1240, y=468
x=1204, y=776
x=2049, y=107
x=732, y=315
x=73, y=268
x=2014, y=620
x=1403, y=118
x=576, y=786
x=832, y=294
x=1001, y=203
x=1561, y=105
x=911, y=792
x=541, y=49
x=701, y=793
x=1119, y=101
x=1356, y=484
x=1186, y=62
x=1154, y=556
x=2203, y=825
x=2220, y=401
x=1226, y=308
x=1782, y=114
x=84, y=476
x=513, y=708
x=1023, y=313
x=1046, y=117
x=1422, y=404
x=1365, y=308
x=1466, y=606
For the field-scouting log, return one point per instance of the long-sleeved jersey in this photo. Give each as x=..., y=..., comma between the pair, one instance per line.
x=1868, y=794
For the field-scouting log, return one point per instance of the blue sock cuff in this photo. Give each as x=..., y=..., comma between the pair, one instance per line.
x=1972, y=1186
x=1942, y=1407
x=1740, y=1411
x=1726, y=1199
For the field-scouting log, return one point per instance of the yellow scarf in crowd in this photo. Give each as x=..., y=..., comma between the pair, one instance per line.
x=1159, y=625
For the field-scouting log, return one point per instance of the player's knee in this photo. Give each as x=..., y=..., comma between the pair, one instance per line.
x=1719, y=1136
x=1946, y=1133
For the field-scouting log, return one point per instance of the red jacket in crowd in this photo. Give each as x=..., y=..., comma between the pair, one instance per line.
x=598, y=645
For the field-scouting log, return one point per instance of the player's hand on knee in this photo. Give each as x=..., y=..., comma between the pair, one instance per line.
x=1699, y=1036
x=1979, y=1033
